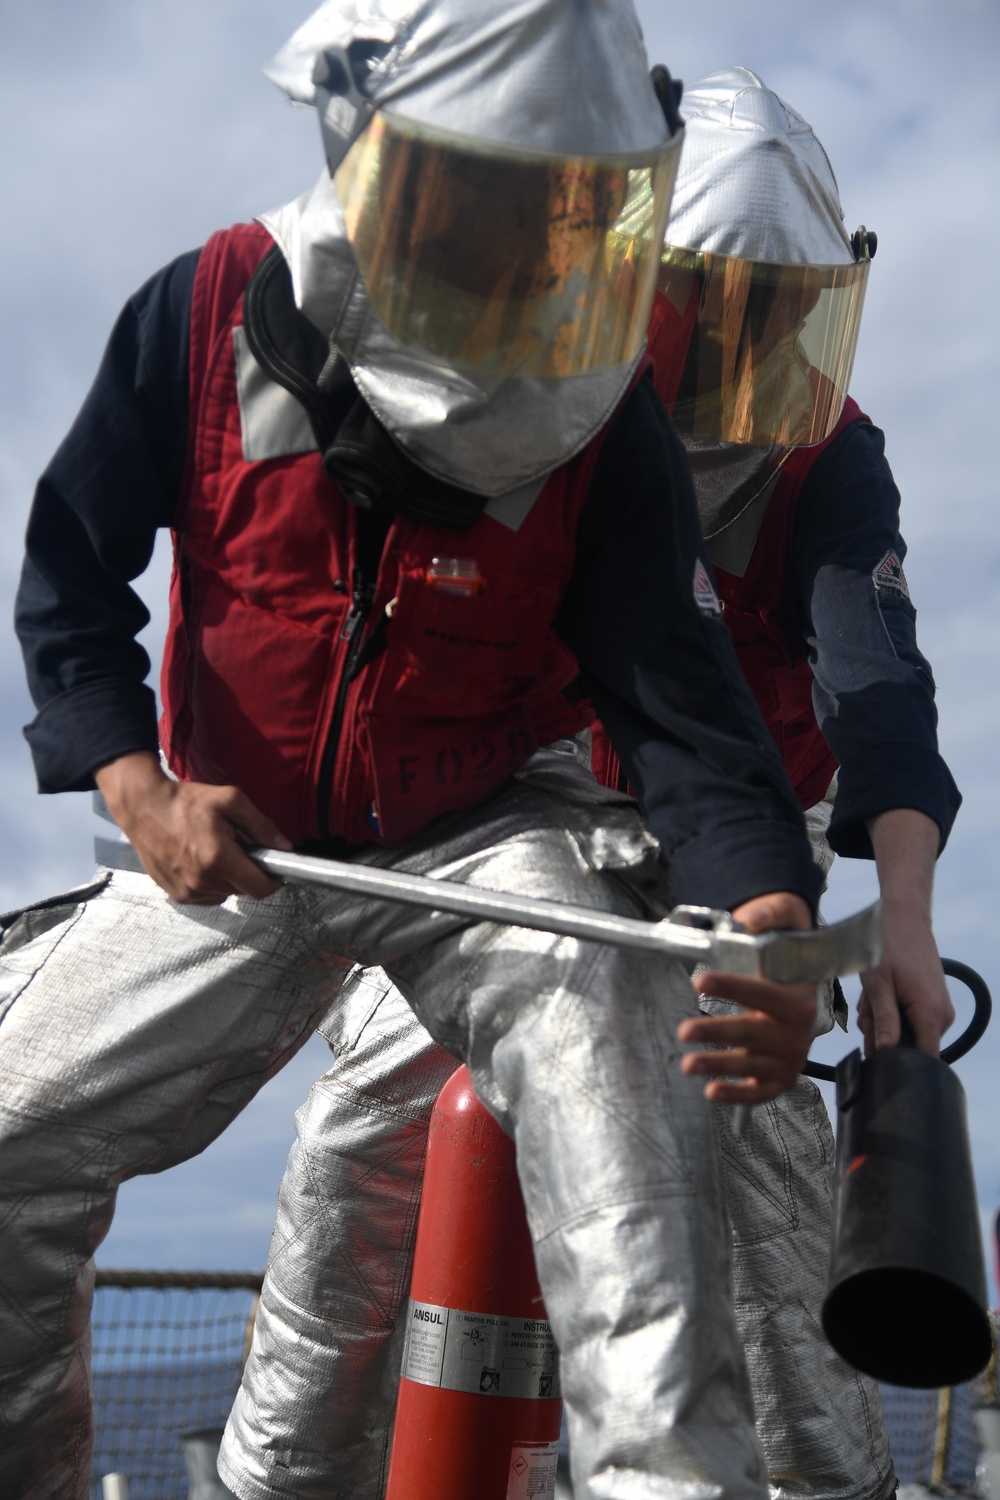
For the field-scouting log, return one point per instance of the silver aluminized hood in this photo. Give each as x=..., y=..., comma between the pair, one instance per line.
x=533, y=75
x=568, y=77
x=763, y=290
x=754, y=180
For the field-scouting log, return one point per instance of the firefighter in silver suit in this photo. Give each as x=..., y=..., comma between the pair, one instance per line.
x=800, y=511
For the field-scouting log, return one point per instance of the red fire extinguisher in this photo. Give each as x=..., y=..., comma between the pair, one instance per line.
x=479, y=1408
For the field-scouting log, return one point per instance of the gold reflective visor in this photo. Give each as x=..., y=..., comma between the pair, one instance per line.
x=502, y=261
x=752, y=352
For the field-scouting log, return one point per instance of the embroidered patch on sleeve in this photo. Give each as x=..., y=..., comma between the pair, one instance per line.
x=889, y=575
x=705, y=596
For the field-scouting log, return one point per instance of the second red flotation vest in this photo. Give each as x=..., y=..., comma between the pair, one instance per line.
x=761, y=608
x=764, y=618
x=263, y=685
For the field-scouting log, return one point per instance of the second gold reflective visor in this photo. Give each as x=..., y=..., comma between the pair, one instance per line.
x=503, y=261
x=752, y=352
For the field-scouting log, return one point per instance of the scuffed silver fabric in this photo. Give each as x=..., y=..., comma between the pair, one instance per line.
x=314, y=1413
x=274, y=424
x=754, y=180
x=819, y=1422
x=328, y=1341
x=328, y=1344
x=131, y=1033
x=134, y=1030
x=551, y=76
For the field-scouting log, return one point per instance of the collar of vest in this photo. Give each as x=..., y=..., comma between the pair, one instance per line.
x=367, y=466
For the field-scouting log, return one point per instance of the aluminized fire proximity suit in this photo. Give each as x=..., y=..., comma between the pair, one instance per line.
x=132, y=1030
x=169, y=1020
x=324, y=1366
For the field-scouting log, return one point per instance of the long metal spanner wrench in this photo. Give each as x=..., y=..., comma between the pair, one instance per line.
x=698, y=934
x=695, y=934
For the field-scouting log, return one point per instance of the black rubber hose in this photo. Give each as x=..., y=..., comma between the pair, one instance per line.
x=984, y=1009
x=982, y=999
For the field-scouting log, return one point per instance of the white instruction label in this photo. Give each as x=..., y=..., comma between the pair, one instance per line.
x=484, y=1353
x=533, y=1471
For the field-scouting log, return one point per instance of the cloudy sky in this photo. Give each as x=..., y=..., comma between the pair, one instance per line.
x=131, y=130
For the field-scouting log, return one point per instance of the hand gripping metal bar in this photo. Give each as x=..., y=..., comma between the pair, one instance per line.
x=696, y=934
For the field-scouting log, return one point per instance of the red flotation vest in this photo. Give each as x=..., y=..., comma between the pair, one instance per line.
x=254, y=685
x=761, y=608
x=765, y=621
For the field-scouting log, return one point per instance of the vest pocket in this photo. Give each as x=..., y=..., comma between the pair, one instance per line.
x=470, y=649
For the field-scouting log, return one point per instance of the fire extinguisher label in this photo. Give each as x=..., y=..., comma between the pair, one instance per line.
x=533, y=1471
x=487, y=1354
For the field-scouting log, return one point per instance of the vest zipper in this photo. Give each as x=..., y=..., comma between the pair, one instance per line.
x=353, y=633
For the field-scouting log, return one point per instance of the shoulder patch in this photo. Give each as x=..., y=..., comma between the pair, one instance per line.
x=888, y=574
x=705, y=596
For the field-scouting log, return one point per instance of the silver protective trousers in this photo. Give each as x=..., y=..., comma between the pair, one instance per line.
x=320, y=1385
x=362, y=1137
x=133, y=1030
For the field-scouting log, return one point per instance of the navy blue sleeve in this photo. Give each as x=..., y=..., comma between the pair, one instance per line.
x=113, y=481
x=662, y=673
x=873, y=690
